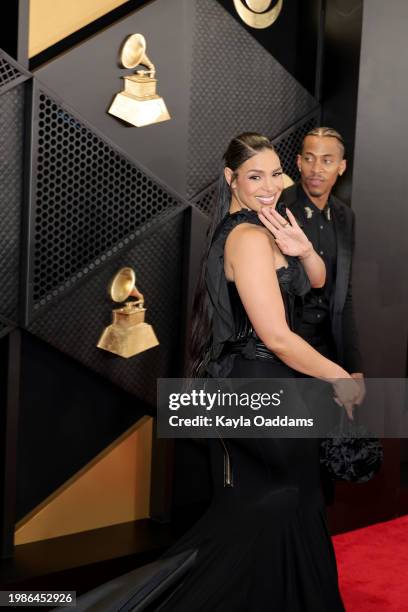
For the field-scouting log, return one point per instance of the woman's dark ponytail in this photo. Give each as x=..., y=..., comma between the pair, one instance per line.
x=240, y=149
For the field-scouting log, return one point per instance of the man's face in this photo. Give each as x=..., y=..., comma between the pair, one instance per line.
x=320, y=163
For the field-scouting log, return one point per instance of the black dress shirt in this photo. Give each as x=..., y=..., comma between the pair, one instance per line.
x=340, y=324
x=318, y=226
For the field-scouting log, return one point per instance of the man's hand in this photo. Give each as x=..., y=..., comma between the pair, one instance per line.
x=346, y=393
x=359, y=378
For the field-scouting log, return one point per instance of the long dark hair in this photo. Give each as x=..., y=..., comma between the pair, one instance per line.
x=240, y=149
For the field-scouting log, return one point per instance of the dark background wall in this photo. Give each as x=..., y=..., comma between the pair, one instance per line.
x=87, y=77
x=340, y=77
x=293, y=41
x=378, y=198
x=379, y=187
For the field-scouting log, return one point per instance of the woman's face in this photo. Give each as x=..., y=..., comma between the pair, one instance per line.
x=258, y=182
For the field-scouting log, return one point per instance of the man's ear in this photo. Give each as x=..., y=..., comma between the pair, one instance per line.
x=342, y=167
x=229, y=177
x=298, y=160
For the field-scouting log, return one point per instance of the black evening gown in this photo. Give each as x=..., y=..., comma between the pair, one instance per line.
x=263, y=544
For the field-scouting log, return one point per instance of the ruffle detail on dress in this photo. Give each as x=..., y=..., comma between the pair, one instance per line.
x=293, y=279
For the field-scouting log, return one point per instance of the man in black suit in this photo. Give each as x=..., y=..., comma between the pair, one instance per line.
x=327, y=320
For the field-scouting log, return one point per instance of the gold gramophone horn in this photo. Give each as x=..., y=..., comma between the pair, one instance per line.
x=122, y=284
x=128, y=334
x=133, y=53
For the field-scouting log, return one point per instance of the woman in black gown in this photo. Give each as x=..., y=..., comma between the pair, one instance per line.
x=263, y=544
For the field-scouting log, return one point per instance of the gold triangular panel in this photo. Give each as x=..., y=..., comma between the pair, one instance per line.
x=113, y=488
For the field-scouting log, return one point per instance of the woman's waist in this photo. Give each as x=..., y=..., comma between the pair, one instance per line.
x=251, y=348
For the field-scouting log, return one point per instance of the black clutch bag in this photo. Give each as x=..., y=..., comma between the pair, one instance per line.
x=351, y=453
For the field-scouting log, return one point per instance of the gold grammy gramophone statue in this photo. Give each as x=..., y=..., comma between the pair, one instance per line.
x=128, y=334
x=138, y=104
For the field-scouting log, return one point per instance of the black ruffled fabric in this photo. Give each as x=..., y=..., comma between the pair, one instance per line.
x=351, y=454
x=292, y=280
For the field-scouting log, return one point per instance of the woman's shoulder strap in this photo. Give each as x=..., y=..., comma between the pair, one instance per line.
x=232, y=220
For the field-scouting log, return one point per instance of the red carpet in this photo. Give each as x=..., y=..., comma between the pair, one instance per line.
x=373, y=567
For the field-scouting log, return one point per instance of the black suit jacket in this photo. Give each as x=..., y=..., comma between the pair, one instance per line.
x=341, y=303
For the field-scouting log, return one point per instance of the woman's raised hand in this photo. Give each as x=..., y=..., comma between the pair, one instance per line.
x=289, y=237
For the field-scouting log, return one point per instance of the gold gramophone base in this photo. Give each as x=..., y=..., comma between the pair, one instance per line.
x=128, y=333
x=139, y=112
x=128, y=341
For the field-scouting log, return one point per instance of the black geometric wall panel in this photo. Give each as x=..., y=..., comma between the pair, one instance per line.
x=236, y=86
x=74, y=323
x=287, y=145
x=205, y=200
x=292, y=39
x=11, y=193
x=88, y=200
x=6, y=326
x=83, y=411
x=7, y=72
x=10, y=72
x=88, y=76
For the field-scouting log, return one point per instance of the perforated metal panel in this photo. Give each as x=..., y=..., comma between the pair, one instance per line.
x=74, y=323
x=89, y=201
x=10, y=72
x=6, y=327
x=287, y=146
x=11, y=191
x=7, y=71
x=236, y=86
x=205, y=200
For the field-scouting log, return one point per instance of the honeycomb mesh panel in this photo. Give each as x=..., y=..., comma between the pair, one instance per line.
x=287, y=146
x=74, y=324
x=206, y=200
x=5, y=327
x=11, y=193
x=236, y=86
x=89, y=201
x=8, y=72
